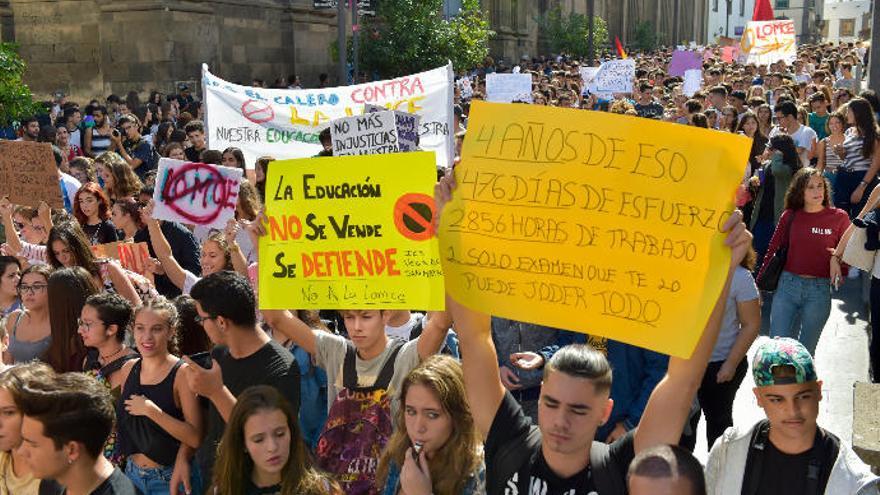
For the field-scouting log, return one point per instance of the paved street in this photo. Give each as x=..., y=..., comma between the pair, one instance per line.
x=841, y=360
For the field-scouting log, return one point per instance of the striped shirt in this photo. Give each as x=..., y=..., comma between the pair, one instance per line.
x=832, y=159
x=100, y=143
x=855, y=161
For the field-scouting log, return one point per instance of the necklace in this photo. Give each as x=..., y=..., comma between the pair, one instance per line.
x=107, y=357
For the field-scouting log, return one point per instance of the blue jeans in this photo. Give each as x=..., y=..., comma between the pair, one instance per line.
x=156, y=481
x=149, y=481
x=809, y=298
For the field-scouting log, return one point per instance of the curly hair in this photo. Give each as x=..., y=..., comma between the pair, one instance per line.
x=794, y=196
x=166, y=310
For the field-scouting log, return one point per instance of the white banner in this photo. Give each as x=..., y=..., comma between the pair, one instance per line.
x=507, y=88
x=373, y=133
x=616, y=76
x=196, y=193
x=765, y=42
x=693, y=81
x=285, y=123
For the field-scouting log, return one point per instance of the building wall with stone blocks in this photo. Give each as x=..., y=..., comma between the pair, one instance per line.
x=92, y=48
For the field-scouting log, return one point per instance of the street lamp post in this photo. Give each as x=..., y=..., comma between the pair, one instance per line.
x=340, y=40
x=727, y=20
x=874, y=74
x=591, y=54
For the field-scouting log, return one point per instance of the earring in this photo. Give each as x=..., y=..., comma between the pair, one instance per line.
x=69, y=461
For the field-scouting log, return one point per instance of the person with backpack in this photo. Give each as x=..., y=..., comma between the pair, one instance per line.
x=364, y=373
x=787, y=453
x=560, y=454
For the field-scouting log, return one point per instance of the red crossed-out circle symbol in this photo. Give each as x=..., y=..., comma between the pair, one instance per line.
x=258, y=112
x=414, y=216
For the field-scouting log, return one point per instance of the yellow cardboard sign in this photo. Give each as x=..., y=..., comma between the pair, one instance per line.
x=594, y=222
x=352, y=232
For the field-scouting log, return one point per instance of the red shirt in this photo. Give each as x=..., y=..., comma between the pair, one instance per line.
x=811, y=236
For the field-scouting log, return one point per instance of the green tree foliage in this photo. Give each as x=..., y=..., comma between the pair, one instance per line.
x=645, y=36
x=569, y=33
x=408, y=36
x=15, y=96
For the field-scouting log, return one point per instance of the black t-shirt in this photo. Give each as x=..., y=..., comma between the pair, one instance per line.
x=116, y=484
x=512, y=427
x=786, y=474
x=101, y=233
x=252, y=489
x=192, y=154
x=143, y=150
x=271, y=365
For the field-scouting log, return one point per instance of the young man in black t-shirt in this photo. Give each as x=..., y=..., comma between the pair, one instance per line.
x=559, y=455
x=67, y=420
x=243, y=356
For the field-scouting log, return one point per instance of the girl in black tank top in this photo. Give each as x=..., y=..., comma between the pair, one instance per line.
x=157, y=411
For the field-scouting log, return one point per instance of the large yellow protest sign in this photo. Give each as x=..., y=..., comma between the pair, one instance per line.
x=352, y=232
x=600, y=223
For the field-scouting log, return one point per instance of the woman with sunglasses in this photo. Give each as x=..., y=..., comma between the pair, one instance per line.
x=29, y=328
x=10, y=276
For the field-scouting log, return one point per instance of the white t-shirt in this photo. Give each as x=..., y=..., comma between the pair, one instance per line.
x=804, y=138
x=402, y=332
x=189, y=280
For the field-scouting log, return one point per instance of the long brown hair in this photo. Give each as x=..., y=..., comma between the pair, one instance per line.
x=68, y=289
x=458, y=457
x=794, y=197
x=72, y=236
x=234, y=465
x=125, y=183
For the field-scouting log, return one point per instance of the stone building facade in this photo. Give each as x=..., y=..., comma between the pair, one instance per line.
x=91, y=48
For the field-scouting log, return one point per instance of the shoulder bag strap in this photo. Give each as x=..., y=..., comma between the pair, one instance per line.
x=755, y=458
x=387, y=373
x=349, y=367
x=822, y=452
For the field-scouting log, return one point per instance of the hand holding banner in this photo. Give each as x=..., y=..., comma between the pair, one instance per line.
x=196, y=193
x=352, y=232
x=592, y=222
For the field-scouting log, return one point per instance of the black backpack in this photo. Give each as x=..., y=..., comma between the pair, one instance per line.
x=518, y=458
x=823, y=453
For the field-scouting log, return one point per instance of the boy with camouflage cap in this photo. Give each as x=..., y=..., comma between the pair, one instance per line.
x=787, y=453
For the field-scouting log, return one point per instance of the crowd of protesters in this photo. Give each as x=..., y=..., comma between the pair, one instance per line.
x=172, y=381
